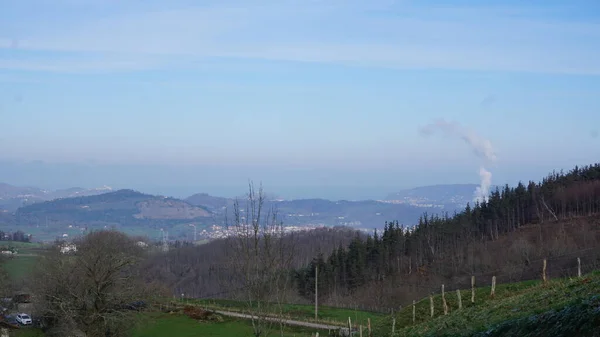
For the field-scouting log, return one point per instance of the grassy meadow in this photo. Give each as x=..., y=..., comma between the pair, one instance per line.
x=330, y=315
x=21, y=264
x=177, y=325
x=518, y=305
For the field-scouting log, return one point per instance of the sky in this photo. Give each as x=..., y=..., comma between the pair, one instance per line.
x=312, y=98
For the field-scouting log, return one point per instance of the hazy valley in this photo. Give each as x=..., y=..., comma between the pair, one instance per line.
x=51, y=214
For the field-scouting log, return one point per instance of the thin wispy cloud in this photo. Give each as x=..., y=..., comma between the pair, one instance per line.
x=379, y=34
x=79, y=65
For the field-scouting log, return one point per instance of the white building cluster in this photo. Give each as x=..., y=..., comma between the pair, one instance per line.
x=67, y=248
x=220, y=232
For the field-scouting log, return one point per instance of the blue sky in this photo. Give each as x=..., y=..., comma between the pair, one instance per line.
x=302, y=95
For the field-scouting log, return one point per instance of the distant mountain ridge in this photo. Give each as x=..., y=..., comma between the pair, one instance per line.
x=50, y=212
x=10, y=191
x=122, y=207
x=209, y=201
x=443, y=195
x=13, y=197
x=366, y=214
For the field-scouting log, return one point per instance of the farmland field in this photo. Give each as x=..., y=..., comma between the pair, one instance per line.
x=20, y=265
x=159, y=324
x=302, y=312
x=20, y=245
x=177, y=325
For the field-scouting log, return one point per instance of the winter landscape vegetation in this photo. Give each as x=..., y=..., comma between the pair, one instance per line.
x=299, y=168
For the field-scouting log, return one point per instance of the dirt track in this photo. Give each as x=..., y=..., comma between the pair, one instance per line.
x=286, y=321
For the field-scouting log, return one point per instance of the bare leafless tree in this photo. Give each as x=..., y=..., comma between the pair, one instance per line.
x=6, y=286
x=93, y=288
x=260, y=257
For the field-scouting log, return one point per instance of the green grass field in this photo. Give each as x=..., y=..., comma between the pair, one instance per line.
x=516, y=303
x=335, y=316
x=178, y=325
x=20, y=245
x=160, y=324
x=27, y=333
x=21, y=265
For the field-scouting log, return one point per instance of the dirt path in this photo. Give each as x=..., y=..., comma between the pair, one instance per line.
x=287, y=321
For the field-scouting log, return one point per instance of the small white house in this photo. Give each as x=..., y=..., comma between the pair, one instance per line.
x=68, y=248
x=141, y=244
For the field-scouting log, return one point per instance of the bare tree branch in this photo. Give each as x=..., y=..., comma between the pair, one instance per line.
x=92, y=290
x=260, y=260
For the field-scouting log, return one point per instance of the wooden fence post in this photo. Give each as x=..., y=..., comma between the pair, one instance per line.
x=414, y=311
x=431, y=304
x=394, y=326
x=473, y=289
x=349, y=327
x=493, y=286
x=459, y=298
x=369, y=326
x=544, y=272
x=316, y=292
x=360, y=330
x=444, y=301
x=578, y=267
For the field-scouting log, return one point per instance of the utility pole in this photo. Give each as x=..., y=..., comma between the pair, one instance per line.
x=165, y=240
x=192, y=225
x=316, y=291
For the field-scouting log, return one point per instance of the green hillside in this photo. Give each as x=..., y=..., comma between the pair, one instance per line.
x=123, y=209
x=566, y=307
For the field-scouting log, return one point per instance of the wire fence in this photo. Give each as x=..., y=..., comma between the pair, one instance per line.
x=558, y=266
x=565, y=265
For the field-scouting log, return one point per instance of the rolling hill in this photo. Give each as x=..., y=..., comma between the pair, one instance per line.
x=130, y=210
x=122, y=208
x=13, y=197
x=81, y=208
x=367, y=214
x=208, y=201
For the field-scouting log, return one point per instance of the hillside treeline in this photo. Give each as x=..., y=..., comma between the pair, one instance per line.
x=204, y=271
x=501, y=236
x=18, y=236
x=505, y=236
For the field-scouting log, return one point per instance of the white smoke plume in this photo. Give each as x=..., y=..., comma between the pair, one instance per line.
x=481, y=147
x=483, y=190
